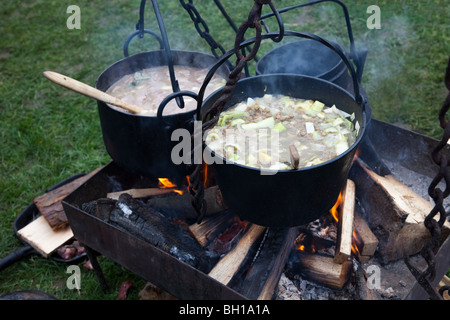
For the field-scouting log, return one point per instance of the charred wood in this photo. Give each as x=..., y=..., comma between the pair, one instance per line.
x=229, y=265
x=181, y=205
x=153, y=227
x=211, y=227
x=264, y=274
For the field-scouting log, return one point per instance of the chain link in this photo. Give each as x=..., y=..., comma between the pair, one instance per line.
x=430, y=249
x=202, y=28
x=209, y=119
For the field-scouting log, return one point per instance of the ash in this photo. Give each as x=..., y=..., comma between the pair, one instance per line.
x=299, y=288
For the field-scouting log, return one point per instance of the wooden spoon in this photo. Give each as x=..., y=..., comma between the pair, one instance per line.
x=91, y=92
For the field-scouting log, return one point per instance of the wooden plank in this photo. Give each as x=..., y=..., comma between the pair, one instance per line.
x=43, y=238
x=345, y=223
x=49, y=203
x=319, y=268
x=140, y=193
x=227, y=267
x=367, y=242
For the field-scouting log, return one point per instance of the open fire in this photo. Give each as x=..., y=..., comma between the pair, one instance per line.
x=372, y=212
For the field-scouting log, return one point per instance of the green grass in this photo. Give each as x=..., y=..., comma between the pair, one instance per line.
x=49, y=133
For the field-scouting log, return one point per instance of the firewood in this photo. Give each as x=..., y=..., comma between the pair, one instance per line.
x=364, y=240
x=182, y=204
x=210, y=227
x=149, y=225
x=50, y=206
x=227, y=267
x=262, y=278
x=345, y=223
x=140, y=193
x=319, y=268
x=394, y=213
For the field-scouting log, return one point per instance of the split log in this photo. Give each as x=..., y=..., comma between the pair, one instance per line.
x=153, y=227
x=263, y=276
x=50, y=206
x=345, y=224
x=229, y=265
x=364, y=240
x=394, y=212
x=211, y=227
x=140, y=193
x=181, y=205
x=319, y=268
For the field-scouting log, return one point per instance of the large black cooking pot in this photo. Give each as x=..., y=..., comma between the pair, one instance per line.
x=288, y=197
x=142, y=144
x=306, y=57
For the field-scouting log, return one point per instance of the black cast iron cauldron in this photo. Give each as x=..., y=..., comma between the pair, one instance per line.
x=306, y=57
x=142, y=144
x=289, y=198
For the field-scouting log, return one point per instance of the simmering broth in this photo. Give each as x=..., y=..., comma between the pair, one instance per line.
x=259, y=132
x=148, y=87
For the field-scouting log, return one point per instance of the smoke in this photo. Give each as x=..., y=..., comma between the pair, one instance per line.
x=388, y=49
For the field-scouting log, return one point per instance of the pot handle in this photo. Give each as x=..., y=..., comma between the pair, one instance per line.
x=166, y=100
x=356, y=86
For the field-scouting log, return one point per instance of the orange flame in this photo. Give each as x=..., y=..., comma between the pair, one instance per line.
x=334, y=210
x=355, y=238
x=166, y=183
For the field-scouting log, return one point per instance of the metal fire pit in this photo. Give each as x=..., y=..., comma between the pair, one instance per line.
x=392, y=144
x=136, y=255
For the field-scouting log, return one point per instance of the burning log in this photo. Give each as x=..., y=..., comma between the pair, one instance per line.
x=182, y=204
x=153, y=227
x=319, y=268
x=229, y=265
x=394, y=212
x=262, y=278
x=211, y=227
x=345, y=223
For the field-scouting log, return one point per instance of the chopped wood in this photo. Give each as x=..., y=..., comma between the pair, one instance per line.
x=319, y=268
x=50, y=206
x=364, y=239
x=345, y=224
x=210, y=227
x=394, y=213
x=262, y=278
x=227, y=267
x=140, y=193
x=43, y=238
x=181, y=205
x=150, y=225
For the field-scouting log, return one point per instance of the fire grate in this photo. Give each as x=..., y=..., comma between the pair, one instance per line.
x=407, y=157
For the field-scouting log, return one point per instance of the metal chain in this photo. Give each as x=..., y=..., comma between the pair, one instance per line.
x=210, y=118
x=202, y=28
x=430, y=249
